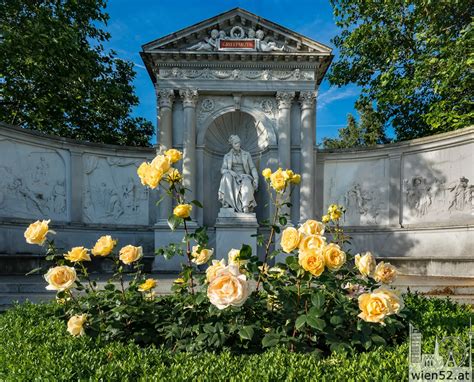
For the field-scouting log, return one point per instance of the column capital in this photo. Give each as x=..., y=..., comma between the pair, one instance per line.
x=165, y=97
x=307, y=99
x=189, y=96
x=284, y=99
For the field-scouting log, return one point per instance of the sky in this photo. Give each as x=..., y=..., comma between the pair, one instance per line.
x=135, y=23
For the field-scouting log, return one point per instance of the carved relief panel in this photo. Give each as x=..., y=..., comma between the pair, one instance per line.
x=438, y=186
x=33, y=182
x=361, y=187
x=112, y=191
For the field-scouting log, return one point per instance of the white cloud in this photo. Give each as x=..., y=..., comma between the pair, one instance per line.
x=334, y=94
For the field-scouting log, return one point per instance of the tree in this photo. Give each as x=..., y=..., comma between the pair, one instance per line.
x=411, y=58
x=369, y=131
x=59, y=79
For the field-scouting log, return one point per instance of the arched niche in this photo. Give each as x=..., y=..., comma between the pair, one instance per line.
x=255, y=138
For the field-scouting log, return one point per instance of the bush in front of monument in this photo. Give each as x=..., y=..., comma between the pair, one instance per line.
x=307, y=293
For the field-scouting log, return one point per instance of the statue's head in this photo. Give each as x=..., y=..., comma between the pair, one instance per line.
x=214, y=33
x=234, y=141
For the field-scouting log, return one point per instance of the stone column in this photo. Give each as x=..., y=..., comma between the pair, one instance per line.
x=165, y=118
x=190, y=97
x=307, y=102
x=165, y=141
x=284, y=101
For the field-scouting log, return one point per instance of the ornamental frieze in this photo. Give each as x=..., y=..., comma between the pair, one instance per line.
x=236, y=74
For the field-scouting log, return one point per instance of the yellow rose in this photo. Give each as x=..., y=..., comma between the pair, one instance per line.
x=104, y=246
x=211, y=271
x=173, y=155
x=147, y=285
x=296, y=179
x=312, y=227
x=365, y=263
x=129, y=254
x=332, y=208
x=325, y=219
x=385, y=273
x=374, y=307
x=336, y=215
x=201, y=257
x=228, y=288
x=267, y=173
x=312, y=261
x=78, y=254
x=290, y=239
x=179, y=280
x=37, y=231
x=75, y=325
x=394, y=297
x=334, y=256
x=173, y=176
x=288, y=174
x=149, y=175
x=278, y=181
x=60, y=278
x=312, y=243
x=161, y=163
x=183, y=210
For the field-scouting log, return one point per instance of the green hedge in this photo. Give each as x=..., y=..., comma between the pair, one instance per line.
x=34, y=345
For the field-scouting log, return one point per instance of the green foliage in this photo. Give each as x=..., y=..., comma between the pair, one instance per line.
x=58, y=78
x=36, y=346
x=369, y=131
x=412, y=58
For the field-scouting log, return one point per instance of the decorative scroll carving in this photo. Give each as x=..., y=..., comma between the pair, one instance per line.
x=250, y=39
x=112, y=191
x=189, y=96
x=307, y=99
x=165, y=97
x=241, y=74
x=267, y=106
x=285, y=99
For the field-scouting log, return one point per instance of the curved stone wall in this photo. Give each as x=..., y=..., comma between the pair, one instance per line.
x=411, y=202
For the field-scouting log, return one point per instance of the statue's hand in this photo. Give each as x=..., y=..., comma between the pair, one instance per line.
x=233, y=173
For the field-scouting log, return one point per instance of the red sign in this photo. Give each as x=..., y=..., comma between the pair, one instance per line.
x=237, y=44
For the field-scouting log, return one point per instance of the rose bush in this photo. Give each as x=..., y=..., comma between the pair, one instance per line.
x=305, y=291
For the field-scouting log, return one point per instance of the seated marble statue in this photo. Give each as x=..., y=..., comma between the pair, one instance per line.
x=239, y=179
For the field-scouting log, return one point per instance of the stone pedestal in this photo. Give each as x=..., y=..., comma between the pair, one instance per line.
x=163, y=237
x=234, y=229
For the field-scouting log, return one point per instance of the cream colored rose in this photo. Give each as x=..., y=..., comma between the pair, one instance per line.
x=162, y=163
x=104, y=246
x=290, y=239
x=37, y=231
x=312, y=243
x=173, y=155
x=201, y=257
x=211, y=271
x=374, y=307
x=312, y=261
x=267, y=173
x=365, y=263
x=394, y=297
x=334, y=257
x=129, y=254
x=228, y=288
x=278, y=180
x=312, y=227
x=147, y=285
x=78, y=254
x=60, y=278
x=183, y=210
x=75, y=325
x=233, y=258
x=385, y=273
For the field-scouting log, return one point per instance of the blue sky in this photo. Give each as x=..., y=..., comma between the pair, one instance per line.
x=134, y=23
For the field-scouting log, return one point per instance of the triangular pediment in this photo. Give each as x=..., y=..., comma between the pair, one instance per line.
x=237, y=31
